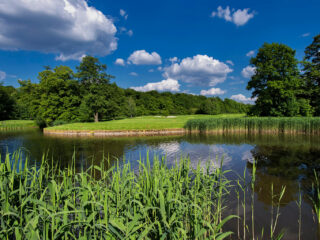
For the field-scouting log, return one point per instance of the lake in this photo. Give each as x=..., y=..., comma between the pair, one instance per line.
x=282, y=160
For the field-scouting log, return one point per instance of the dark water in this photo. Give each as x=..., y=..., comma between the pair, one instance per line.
x=281, y=160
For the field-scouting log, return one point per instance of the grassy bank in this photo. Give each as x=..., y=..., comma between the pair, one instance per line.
x=17, y=124
x=140, y=123
x=158, y=202
x=257, y=124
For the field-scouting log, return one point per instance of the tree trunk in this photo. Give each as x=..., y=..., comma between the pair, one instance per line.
x=96, y=117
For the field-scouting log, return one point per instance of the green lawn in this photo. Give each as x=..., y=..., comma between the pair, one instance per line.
x=17, y=124
x=140, y=123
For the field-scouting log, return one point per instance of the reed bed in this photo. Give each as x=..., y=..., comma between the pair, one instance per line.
x=294, y=125
x=152, y=202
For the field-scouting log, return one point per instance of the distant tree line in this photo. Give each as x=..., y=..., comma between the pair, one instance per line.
x=281, y=87
x=63, y=95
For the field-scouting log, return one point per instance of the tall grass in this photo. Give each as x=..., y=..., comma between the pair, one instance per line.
x=155, y=202
x=306, y=125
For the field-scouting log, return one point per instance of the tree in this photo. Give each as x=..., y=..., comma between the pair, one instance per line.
x=311, y=73
x=7, y=104
x=59, y=95
x=276, y=82
x=131, y=107
x=94, y=83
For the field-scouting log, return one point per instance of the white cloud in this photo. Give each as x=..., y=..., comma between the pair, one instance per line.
x=119, y=61
x=130, y=32
x=212, y=92
x=3, y=75
x=238, y=17
x=124, y=30
x=69, y=28
x=198, y=70
x=250, y=53
x=243, y=99
x=173, y=59
x=142, y=57
x=165, y=85
x=248, y=71
x=305, y=35
x=134, y=74
x=123, y=14
x=230, y=62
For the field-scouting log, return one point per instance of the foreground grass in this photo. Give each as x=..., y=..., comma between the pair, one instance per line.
x=306, y=125
x=17, y=124
x=141, y=123
x=156, y=202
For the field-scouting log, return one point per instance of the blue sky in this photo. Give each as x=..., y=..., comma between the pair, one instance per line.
x=199, y=47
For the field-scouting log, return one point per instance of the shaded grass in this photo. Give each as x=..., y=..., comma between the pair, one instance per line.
x=306, y=125
x=45, y=202
x=17, y=124
x=141, y=123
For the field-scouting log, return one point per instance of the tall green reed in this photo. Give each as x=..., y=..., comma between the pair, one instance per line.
x=155, y=202
x=306, y=125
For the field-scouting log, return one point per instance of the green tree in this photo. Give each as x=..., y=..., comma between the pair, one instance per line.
x=59, y=95
x=131, y=107
x=7, y=104
x=276, y=82
x=311, y=73
x=94, y=85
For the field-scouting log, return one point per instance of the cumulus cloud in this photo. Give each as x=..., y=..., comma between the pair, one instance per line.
x=248, y=71
x=134, y=74
x=238, y=17
x=119, y=61
x=142, y=57
x=199, y=70
x=123, y=14
x=3, y=75
x=212, y=92
x=169, y=84
x=243, y=99
x=69, y=28
x=250, y=53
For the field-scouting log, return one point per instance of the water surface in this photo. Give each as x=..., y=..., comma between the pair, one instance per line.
x=281, y=160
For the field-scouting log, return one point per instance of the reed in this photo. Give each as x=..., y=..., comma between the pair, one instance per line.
x=153, y=202
x=305, y=125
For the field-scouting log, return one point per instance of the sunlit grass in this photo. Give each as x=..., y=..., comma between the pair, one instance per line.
x=17, y=124
x=141, y=123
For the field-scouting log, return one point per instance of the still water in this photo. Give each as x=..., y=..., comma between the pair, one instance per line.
x=281, y=160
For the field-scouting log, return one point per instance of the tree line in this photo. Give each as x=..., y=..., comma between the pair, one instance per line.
x=62, y=95
x=284, y=86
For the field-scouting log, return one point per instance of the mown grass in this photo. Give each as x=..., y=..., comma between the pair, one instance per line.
x=141, y=123
x=17, y=124
x=306, y=125
x=155, y=202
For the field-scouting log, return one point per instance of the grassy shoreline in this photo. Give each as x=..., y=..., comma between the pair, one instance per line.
x=140, y=123
x=17, y=124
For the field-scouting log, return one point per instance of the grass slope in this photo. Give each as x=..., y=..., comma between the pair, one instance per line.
x=140, y=123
